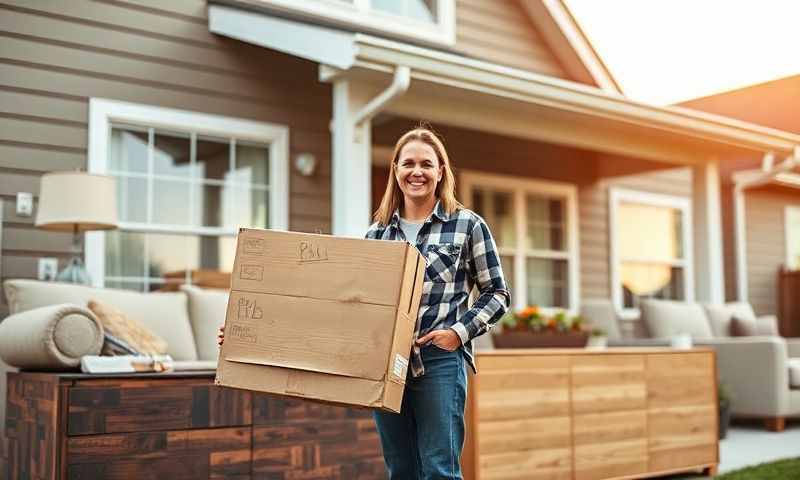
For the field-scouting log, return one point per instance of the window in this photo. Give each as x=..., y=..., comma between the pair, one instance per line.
x=650, y=249
x=534, y=225
x=792, y=221
x=432, y=21
x=186, y=182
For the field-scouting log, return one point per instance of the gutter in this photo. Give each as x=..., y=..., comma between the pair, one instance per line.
x=739, y=218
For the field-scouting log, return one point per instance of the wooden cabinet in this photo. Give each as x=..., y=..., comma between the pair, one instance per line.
x=585, y=415
x=178, y=426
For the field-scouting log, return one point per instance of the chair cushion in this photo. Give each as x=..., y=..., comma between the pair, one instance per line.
x=794, y=372
x=207, y=307
x=667, y=318
x=719, y=316
x=164, y=313
x=133, y=333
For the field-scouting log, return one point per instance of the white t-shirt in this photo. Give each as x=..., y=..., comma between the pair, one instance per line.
x=410, y=230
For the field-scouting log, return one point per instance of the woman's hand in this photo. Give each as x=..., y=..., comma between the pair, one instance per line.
x=444, y=339
x=221, y=335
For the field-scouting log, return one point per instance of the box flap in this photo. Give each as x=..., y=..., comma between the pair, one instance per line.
x=354, y=270
x=325, y=336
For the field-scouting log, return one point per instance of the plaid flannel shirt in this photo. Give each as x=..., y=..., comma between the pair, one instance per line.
x=460, y=254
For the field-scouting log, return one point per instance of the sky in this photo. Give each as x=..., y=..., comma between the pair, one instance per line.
x=668, y=51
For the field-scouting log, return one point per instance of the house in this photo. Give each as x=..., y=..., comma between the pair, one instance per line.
x=761, y=218
x=281, y=114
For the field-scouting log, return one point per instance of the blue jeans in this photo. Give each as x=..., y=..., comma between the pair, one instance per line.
x=424, y=441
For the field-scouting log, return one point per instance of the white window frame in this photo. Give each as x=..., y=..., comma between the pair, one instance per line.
x=788, y=240
x=104, y=112
x=360, y=15
x=469, y=180
x=618, y=195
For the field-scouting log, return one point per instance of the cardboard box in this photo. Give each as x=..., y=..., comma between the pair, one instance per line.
x=321, y=317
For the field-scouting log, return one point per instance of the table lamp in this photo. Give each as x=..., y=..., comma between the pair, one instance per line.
x=76, y=202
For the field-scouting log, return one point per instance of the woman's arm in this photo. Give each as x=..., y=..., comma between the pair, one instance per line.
x=494, y=300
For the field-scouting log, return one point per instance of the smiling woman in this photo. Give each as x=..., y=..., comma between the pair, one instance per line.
x=419, y=206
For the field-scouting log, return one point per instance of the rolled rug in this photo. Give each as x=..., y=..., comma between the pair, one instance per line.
x=54, y=337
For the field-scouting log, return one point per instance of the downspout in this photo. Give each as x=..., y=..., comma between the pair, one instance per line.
x=399, y=85
x=739, y=218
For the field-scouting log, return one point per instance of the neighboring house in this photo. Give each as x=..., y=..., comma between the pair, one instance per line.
x=765, y=236
x=201, y=111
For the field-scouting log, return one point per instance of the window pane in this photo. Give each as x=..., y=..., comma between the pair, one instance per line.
x=497, y=209
x=213, y=158
x=124, y=254
x=209, y=201
x=132, y=199
x=545, y=223
x=507, y=262
x=793, y=237
x=649, y=280
x=128, y=150
x=252, y=164
x=171, y=202
x=547, y=282
x=171, y=253
x=172, y=154
x=424, y=10
x=136, y=286
x=648, y=232
x=244, y=207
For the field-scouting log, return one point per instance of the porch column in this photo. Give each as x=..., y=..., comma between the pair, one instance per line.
x=351, y=167
x=707, y=236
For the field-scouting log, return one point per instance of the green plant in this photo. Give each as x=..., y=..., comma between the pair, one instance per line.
x=598, y=332
x=723, y=394
x=531, y=319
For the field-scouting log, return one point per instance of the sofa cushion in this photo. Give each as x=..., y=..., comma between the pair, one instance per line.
x=133, y=333
x=719, y=316
x=600, y=313
x=667, y=318
x=53, y=337
x=794, y=372
x=207, y=307
x=165, y=313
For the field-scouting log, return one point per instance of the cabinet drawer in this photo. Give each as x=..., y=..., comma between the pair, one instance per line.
x=141, y=405
x=177, y=455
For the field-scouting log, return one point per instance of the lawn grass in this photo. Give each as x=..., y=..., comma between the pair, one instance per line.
x=788, y=469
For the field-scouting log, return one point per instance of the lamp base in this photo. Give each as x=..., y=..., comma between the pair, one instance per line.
x=74, y=272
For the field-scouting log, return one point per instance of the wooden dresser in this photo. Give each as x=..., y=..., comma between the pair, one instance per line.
x=178, y=426
x=591, y=414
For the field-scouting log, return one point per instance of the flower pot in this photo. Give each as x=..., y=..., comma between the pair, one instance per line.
x=514, y=339
x=598, y=342
x=724, y=419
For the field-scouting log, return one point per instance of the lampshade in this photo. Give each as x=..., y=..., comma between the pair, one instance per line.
x=69, y=200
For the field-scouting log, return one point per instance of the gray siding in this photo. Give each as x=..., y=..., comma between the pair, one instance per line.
x=55, y=55
x=765, y=240
x=500, y=31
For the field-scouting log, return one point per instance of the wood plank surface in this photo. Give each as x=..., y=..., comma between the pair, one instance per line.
x=138, y=406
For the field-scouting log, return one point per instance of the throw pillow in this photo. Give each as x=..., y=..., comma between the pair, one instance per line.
x=767, y=325
x=133, y=333
x=743, y=327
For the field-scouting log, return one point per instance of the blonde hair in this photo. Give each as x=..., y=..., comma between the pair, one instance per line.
x=445, y=189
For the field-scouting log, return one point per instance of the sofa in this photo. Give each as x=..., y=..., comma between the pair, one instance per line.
x=762, y=371
x=50, y=328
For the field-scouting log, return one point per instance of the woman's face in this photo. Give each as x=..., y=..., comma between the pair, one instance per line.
x=418, y=170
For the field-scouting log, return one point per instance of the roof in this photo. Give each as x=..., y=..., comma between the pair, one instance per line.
x=772, y=104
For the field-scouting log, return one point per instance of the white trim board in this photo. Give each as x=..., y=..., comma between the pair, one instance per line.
x=104, y=112
x=518, y=187
x=617, y=195
x=359, y=15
